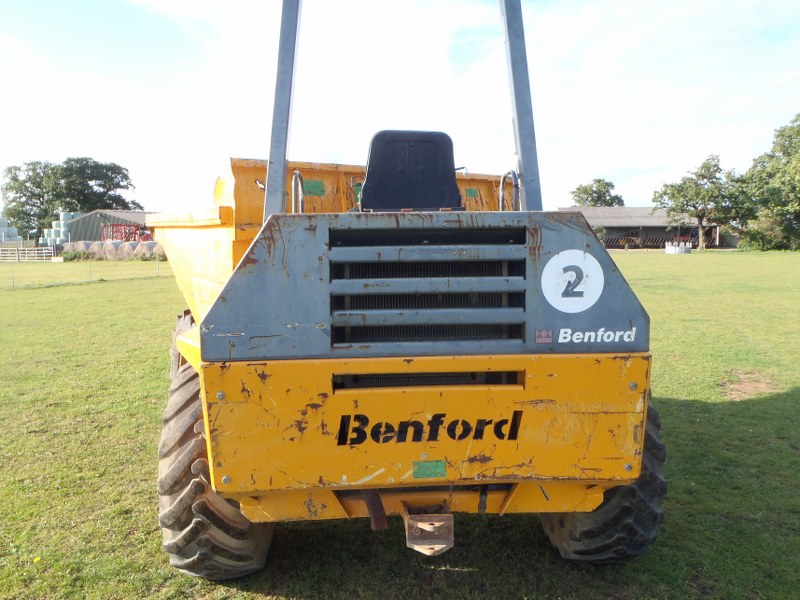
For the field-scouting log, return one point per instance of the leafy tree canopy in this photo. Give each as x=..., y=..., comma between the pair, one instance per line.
x=774, y=184
x=35, y=191
x=708, y=195
x=597, y=193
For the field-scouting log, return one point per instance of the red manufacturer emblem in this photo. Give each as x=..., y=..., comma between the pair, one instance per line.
x=544, y=336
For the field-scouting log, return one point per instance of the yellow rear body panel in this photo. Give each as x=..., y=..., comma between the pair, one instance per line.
x=287, y=445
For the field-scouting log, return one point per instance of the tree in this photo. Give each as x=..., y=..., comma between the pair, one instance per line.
x=707, y=195
x=28, y=193
x=92, y=185
x=34, y=192
x=597, y=193
x=774, y=184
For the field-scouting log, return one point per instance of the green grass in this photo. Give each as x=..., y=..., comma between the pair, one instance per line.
x=42, y=274
x=84, y=377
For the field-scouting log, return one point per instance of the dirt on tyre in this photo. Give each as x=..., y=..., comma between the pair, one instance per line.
x=204, y=534
x=627, y=521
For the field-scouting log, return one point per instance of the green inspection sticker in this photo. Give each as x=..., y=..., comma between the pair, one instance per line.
x=427, y=469
x=312, y=187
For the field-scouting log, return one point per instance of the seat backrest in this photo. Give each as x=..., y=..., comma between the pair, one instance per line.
x=410, y=170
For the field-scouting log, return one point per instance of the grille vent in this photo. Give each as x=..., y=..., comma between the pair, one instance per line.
x=427, y=286
x=404, y=380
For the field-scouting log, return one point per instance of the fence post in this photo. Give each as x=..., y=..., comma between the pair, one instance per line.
x=17, y=249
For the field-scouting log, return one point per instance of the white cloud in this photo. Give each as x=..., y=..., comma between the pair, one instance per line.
x=191, y=11
x=638, y=93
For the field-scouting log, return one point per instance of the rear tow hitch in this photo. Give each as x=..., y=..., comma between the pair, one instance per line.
x=429, y=529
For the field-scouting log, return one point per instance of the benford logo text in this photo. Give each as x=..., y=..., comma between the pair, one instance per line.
x=566, y=335
x=355, y=429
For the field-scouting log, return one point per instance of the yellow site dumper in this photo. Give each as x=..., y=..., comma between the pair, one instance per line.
x=401, y=339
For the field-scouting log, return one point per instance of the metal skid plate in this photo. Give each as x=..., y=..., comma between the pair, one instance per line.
x=423, y=284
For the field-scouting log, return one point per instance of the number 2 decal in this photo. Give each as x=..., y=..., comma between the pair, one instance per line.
x=570, y=290
x=572, y=281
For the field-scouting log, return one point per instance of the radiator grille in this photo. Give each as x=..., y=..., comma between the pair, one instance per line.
x=464, y=287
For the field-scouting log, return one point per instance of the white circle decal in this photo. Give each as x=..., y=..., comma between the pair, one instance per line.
x=572, y=281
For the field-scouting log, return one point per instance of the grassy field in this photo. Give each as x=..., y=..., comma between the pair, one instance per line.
x=84, y=376
x=26, y=275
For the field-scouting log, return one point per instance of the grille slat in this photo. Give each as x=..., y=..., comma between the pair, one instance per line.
x=426, y=252
x=420, y=285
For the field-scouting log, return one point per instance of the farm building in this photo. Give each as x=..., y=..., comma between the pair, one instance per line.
x=641, y=227
x=101, y=225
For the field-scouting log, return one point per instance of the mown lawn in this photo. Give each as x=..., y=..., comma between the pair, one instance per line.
x=84, y=375
x=41, y=274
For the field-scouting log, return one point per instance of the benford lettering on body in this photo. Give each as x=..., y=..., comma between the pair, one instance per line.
x=566, y=336
x=355, y=429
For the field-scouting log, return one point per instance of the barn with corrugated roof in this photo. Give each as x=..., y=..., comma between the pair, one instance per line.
x=102, y=224
x=642, y=227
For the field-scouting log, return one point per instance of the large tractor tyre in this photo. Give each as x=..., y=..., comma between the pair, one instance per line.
x=184, y=323
x=628, y=519
x=204, y=534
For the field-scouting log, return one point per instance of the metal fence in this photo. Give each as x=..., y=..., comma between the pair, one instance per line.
x=25, y=254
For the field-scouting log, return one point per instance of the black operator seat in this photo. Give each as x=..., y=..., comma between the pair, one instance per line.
x=411, y=170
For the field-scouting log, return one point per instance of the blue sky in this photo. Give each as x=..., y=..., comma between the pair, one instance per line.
x=637, y=93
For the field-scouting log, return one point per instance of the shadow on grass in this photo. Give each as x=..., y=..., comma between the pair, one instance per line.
x=733, y=519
